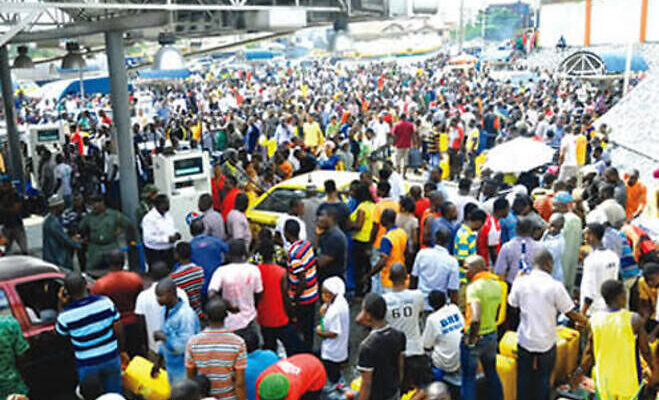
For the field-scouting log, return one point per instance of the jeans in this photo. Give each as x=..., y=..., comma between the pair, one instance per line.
x=484, y=351
x=360, y=260
x=435, y=158
x=109, y=373
x=533, y=372
x=333, y=370
x=286, y=334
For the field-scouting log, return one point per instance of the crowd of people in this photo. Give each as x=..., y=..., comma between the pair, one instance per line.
x=438, y=275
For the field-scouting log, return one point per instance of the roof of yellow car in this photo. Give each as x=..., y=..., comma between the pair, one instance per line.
x=318, y=178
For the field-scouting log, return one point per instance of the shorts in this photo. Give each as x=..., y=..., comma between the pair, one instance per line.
x=402, y=155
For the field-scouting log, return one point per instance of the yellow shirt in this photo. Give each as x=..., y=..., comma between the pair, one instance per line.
x=614, y=347
x=472, y=140
x=443, y=142
x=313, y=136
x=582, y=143
x=364, y=234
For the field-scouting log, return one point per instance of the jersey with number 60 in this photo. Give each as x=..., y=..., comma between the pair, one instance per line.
x=404, y=310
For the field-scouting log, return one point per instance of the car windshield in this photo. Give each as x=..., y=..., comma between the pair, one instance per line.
x=39, y=298
x=279, y=200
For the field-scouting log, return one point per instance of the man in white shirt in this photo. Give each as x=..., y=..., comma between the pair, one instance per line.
x=240, y=285
x=463, y=198
x=404, y=308
x=540, y=298
x=599, y=266
x=443, y=333
x=63, y=173
x=568, y=155
x=147, y=308
x=159, y=232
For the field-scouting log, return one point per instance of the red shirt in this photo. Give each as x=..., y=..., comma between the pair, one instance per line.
x=122, y=287
x=403, y=132
x=229, y=202
x=216, y=192
x=107, y=121
x=488, y=235
x=457, y=142
x=305, y=373
x=271, y=311
x=76, y=139
x=421, y=206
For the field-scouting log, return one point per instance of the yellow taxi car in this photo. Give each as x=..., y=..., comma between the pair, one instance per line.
x=266, y=209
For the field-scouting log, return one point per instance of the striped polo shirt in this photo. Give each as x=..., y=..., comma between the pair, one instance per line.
x=89, y=323
x=217, y=354
x=464, y=246
x=301, y=258
x=190, y=278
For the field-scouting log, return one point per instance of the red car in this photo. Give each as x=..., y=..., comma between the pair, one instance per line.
x=28, y=291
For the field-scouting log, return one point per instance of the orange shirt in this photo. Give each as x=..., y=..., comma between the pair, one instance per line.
x=422, y=225
x=545, y=206
x=380, y=206
x=636, y=198
x=287, y=168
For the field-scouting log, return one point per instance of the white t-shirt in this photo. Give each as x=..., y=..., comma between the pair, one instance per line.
x=147, y=305
x=63, y=173
x=540, y=298
x=238, y=284
x=599, y=266
x=337, y=320
x=404, y=310
x=442, y=334
x=461, y=201
x=569, y=145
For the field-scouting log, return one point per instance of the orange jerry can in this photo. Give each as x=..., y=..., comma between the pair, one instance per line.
x=559, y=374
x=137, y=379
x=507, y=370
x=571, y=336
x=508, y=344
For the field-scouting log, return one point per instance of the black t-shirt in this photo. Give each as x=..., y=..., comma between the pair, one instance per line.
x=333, y=243
x=380, y=352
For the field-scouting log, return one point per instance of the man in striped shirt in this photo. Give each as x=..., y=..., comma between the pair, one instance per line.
x=303, y=281
x=188, y=276
x=92, y=324
x=465, y=238
x=218, y=354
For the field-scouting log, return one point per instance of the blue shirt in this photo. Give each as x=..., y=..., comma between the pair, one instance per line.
x=451, y=227
x=436, y=269
x=508, y=227
x=89, y=323
x=257, y=362
x=179, y=324
x=207, y=252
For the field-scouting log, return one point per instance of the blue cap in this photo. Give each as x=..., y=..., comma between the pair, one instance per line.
x=563, y=198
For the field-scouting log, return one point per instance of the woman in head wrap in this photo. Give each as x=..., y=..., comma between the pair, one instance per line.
x=334, y=327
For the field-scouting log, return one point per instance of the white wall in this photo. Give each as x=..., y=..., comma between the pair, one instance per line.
x=615, y=21
x=565, y=19
x=652, y=30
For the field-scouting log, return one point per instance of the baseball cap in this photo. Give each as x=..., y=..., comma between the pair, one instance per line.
x=274, y=387
x=563, y=198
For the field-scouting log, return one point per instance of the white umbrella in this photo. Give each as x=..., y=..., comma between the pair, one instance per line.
x=518, y=155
